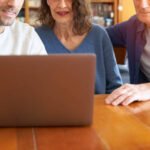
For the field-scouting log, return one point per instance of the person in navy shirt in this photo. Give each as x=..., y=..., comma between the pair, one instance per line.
x=67, y=28
x=134, y=35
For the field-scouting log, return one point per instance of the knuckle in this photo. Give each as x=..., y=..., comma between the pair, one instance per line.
x=127, y=85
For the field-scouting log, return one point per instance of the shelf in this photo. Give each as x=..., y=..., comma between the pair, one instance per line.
x=29, y=8
x=102, y=1
x=104, y=13
x=34, y=7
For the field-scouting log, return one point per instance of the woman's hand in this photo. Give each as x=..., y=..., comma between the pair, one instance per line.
x=129, y=93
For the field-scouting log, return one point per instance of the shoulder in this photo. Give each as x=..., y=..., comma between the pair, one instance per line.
x=133, y=21
x=99, y=36
x=22, y=28
x=97, y=29
x=124, y=27
x=43, y=29
x=23, y=31
x=44, y=32
x=98, y=32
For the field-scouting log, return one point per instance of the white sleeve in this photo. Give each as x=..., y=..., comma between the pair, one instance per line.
x=37, y=46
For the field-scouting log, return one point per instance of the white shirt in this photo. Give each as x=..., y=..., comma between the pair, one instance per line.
x=20, y=39
x=145, y=58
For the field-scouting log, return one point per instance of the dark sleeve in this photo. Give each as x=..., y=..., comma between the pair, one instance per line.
x=117, y=34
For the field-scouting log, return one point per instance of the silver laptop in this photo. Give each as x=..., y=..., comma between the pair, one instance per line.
x=52, y=90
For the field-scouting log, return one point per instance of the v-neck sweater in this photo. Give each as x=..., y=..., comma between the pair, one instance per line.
x=97, y=42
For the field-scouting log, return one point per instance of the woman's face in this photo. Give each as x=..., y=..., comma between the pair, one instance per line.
x=61, y=10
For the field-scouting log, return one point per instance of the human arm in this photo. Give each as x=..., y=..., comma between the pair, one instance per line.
x=117, y=34
x=129, y=93
x=37, y=46
x=113, y=78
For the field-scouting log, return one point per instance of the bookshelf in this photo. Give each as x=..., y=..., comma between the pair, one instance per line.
x=29, y=11
x=105, y=12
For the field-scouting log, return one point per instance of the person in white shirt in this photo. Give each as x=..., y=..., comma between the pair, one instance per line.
x=17, y=38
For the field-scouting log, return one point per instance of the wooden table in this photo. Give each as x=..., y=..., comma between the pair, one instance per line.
x=114, y=128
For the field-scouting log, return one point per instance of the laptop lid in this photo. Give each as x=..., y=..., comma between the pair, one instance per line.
x=52, y=90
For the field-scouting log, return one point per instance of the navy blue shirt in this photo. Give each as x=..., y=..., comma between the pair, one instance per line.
x=130, y=34
x=97, y=42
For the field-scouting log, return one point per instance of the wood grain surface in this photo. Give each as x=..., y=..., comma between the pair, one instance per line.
x=113, y=128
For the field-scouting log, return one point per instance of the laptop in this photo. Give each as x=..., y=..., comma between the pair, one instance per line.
x=50, y=90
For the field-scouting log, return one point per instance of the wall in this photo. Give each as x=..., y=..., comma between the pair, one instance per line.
x=128, y=10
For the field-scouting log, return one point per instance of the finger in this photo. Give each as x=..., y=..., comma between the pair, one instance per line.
x=124, y=89
x=120, y=99
x=129, y=100
x=111, y=98
x=115, y=95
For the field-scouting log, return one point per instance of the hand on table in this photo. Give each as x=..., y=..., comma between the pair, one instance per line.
x=129, y=93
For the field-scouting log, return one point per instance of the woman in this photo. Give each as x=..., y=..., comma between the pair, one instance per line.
x=67, y=28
